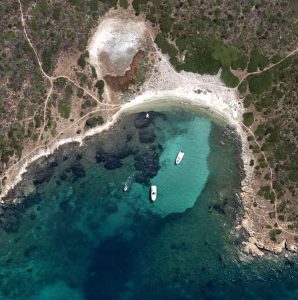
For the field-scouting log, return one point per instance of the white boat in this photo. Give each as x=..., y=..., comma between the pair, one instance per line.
x=153, y=192
x=125, y=189
x=147, y=116
x=179, y=157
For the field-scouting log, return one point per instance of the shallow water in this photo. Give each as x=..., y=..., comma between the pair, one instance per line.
x=81, y=237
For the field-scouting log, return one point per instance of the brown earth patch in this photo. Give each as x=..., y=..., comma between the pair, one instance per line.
x=121, y=83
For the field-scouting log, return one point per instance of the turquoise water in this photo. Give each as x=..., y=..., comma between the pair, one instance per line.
x=79, y=236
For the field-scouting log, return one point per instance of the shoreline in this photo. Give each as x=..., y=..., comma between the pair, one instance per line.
x=146, y=101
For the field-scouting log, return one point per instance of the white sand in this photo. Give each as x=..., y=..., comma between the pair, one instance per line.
x=119, y=40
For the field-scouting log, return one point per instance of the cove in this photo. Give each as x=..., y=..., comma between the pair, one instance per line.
x=79, y=236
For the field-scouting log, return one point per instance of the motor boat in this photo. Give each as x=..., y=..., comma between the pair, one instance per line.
x=153, y=192
x=179, y=157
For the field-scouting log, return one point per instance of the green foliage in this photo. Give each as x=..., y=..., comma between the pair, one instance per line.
x=260, y=131
x=274, y=132
x=248, y=119
x=46, y=58
x=93, y=71
x=94, y=121
x=82, y=59
x=205, y=55
x=100, y=84
x=257, y=60
x=64, y=105
x=9, y=36
x=68, y=91
x=267, y=193
x=75, y=2
x=43, y=7
x=34, y=137
x=247, y=101
x=226, y=54
x=123, y=3
x=264, y=102
x=93, y=4
x=165, y=46
x=80, y=92
x=293, y=168
x=201, y=61
x=240, y=62
x=21, y=108
x=228, y=78
x=242, y=88
x=139, y=5
x=273, y=233
x=267, y=147
x=2, y=143
x=88, y=103
x=151, y=15
x=57, y=11
x=259, y=83
x=37, y=120
x=61, y=82
x=166, y=23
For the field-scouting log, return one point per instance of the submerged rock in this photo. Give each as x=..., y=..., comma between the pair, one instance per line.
x=147, y=135
x=99, y=156
x=113, y=162
x=78, y=170
x=141, y=121
x=9, y=223
x=43, y=175
x=148, y=165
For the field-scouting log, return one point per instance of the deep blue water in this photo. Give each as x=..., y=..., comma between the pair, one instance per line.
x=79, y=236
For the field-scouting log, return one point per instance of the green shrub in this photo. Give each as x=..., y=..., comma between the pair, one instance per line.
x=273, y=233
x=21, y=108
x=165, y=46
x=93, y=4
x=257, y=60
x=267, y=147
x=247, y=101
x=274, y=132
x=242, y=88
x=293, y=175
x=229, y=78
x=248, y=119
x=64, y=105
x=100, y=84
x=261, y=82
x=37, y=120
x=75, y=2
x=139, y=5
x=226, y=54
x=94, y=121
x=46, y=58
x=260, y=131
x=267, y=193
x=123, y=3
x=166, y=23
x=61, y=82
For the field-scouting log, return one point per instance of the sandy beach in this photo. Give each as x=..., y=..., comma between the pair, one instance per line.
x=145, y=102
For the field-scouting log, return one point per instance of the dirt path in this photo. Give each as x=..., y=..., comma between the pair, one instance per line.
x=292, y=53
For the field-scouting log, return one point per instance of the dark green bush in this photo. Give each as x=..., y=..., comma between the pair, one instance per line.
x=248, y=119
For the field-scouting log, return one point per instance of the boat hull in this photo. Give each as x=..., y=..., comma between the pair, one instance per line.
x=153, y=193
x=179, y=157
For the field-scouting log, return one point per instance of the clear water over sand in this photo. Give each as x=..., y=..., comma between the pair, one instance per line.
x=81, y=237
